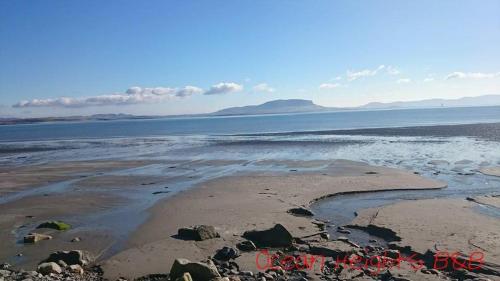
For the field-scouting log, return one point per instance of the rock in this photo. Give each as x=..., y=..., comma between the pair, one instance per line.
x=57, y=225
x=246, y=273
x=301, y=211
x=4, y=273
x=198, y=270
x=5, y=266
x=278, y=236
x=76, y=239
x=392, y=254
x=35, y=237
x=342, y=229
x=332, y=249
x=198, y=232
x=70, y=257
x=185, y=277
x=246, y=246
x=62, y=264
x=325, y=235
x=47, y=268
x=226, y=254
x=76, y=269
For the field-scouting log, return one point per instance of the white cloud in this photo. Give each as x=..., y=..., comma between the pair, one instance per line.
x=403, y=80
x=471, y=75
x=326, y=86
x=224, y=88
x=338, y=78
x=391, y=70
x=134, y=95
x=428, y=79
x=263, y=87
x=354, y=75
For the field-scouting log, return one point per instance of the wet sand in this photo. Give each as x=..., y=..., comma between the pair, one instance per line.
x=491, y=171
x=15, y=179
x=450, y=225
x=236, y=204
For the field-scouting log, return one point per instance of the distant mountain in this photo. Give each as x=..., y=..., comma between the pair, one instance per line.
x=275, y=107
x=485, y=100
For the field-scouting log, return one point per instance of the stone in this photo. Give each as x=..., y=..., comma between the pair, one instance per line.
x=62, y=264
x=198, y=232
x=76, y=269
x=35, y=237
x=47, y=268
x=246, y=246
x=185, y=277
x=70, y=257
x=332, y=249
x=392, y=254
x=76, y=239
x=57, y=225
x=4, y=273
x=301, y=211
x=277, y=236
x=226, y=254
x=197, y=270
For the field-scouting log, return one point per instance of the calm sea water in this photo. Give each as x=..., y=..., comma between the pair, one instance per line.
x=250, y=124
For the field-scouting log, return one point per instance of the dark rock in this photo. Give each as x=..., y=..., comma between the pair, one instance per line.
x=301, y=211
x=278, y=236
x=226, y=254
x=198, y=233
x=160, y=192
x=246, y=246
x=198, y=270
x=70, y=257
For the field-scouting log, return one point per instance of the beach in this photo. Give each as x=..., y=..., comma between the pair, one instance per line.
x=126, y=213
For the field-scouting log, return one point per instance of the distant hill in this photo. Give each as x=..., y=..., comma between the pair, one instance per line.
x=486, y=100
x=275, y=107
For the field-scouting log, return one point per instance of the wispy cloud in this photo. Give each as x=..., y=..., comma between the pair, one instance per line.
x=263, y=88
x=403, y=80
x=224, y=88
x=355, y=75
x=133, y=95
x=429, y=79
x=327, y=86
x=391, y=70
x=471, y=75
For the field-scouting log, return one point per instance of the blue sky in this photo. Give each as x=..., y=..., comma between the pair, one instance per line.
x=173, y=57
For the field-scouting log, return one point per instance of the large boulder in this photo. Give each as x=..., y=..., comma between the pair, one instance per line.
x=70, y=257
x=47, y=268
x=277, y=236
x=197, y=270
x=198, y=232
x=35, y=237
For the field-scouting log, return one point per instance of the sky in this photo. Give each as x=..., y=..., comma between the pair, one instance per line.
x=152, y=57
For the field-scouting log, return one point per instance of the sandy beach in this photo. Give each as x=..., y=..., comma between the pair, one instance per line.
x=233, y=204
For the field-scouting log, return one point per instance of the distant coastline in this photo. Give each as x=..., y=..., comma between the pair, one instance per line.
x=289, y=106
